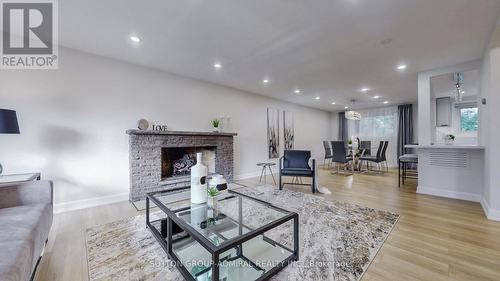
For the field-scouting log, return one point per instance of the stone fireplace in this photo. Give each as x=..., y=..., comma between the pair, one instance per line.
x=160, y=160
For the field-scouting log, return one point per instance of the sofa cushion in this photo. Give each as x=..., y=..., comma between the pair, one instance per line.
x=24, y=232
x=297, y=172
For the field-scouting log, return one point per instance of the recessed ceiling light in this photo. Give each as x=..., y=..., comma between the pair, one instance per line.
x=402, y=67
x=333, y=102
x=364, y=90
x=135, y=39
x=386, y=102
x=217, y=65
x=386, y=41
x=376, y=97
x=297, y=91
x=346, y=107
x=317, y=98
x=265, y=81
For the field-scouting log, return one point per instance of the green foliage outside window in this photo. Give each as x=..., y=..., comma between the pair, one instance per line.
x=469, y=119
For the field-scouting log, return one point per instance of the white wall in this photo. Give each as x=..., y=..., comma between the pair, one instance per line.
x=73, y=121
x=490, y=135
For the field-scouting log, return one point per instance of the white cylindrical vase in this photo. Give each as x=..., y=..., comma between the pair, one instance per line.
x=199, y=181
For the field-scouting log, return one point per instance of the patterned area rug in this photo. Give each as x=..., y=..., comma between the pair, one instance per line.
x=338, y=240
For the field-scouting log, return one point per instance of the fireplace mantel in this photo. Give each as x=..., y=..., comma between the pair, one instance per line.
x=178, y=133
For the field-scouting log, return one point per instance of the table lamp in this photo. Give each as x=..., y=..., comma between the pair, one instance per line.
x=8, y=125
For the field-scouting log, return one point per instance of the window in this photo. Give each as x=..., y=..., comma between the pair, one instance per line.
x=376, y=126
x=468, y=119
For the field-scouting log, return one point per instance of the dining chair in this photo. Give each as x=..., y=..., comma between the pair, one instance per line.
x=384, y=157
x=377, y=159
x=365, y=147
x=340, y=156
x=328, y=153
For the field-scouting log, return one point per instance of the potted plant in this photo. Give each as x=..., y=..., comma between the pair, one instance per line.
x=216, y=124
x=449, y=139
x=212, y=197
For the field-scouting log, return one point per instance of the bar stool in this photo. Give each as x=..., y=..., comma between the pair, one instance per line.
x=265, y=166
x=403, y=162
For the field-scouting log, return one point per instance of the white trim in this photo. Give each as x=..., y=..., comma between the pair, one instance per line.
x=88, y=203
x=449, y=193
x=255, y=175
x=491, y=214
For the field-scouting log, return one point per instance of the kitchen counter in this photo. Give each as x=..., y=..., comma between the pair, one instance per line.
x=452, y=171
x=445, y=146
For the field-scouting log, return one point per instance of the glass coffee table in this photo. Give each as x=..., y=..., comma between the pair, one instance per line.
x=241, y=238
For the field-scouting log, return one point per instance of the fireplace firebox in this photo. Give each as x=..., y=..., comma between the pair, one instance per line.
x=177, y=161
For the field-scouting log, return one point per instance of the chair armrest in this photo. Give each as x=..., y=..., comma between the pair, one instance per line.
x=314, y=164
x=26, y=193
x=281, y=162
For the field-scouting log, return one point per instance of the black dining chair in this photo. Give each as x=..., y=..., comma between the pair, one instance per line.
x=377, y=159
x=384, y=157
x=328, y=153
x=295, y=163
x=340, y=156
x=365, y=147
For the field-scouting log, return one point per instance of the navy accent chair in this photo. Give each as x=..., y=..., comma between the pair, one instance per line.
x=295, y=163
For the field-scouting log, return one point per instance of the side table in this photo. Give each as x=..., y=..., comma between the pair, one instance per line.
x=265, y=166
x=19, y=178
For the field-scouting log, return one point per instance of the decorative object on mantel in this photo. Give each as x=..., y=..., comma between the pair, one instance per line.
x=288, y=130
x=8, y=125
x=348, y=234
x=449, y=139
x=225, y=123
x=161, y=128
x=273, y=136
x=143, y=124
x=199, y=181
x=216, y=124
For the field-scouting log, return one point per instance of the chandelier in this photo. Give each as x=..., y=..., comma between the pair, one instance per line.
x=353, y=115
x=459, y=86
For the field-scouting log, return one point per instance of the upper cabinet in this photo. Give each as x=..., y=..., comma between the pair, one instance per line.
x=443, y=112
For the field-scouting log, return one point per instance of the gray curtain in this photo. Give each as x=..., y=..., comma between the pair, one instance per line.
x=405, y=132
x=343, y=133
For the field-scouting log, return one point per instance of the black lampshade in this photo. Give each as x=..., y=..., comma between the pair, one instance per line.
x=8, y=122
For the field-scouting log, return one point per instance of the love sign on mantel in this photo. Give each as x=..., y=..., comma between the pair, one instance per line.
x=159, y=127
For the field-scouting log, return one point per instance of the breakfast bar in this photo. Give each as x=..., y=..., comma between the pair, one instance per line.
x=452, y=171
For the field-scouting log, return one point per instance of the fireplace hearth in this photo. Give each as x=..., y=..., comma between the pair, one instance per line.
x=160, y=160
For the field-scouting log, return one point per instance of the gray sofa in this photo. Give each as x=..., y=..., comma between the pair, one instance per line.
x=25, y=221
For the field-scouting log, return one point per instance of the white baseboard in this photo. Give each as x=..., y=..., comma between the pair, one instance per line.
x=255, y=175
x=449, y=193
x=88, y=203
x=491, y=214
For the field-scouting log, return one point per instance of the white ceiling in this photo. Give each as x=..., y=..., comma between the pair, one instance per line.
x=326, y=48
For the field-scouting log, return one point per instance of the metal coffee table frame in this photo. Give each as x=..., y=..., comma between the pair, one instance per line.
x=214, y=250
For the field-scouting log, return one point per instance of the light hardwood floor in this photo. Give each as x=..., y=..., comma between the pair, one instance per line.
x=435, y=238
